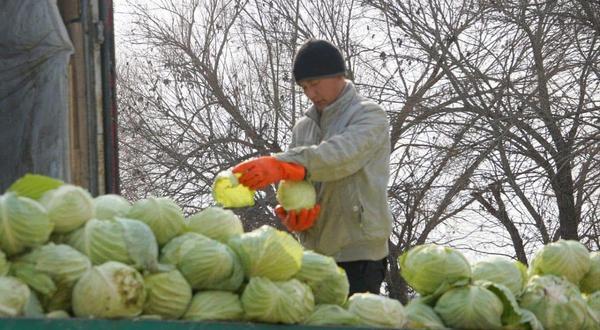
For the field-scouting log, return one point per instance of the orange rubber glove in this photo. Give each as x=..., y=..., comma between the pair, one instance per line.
x=260, y=172
x=298, y=221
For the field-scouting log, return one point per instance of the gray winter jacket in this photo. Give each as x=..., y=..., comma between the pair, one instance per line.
x=346, y=152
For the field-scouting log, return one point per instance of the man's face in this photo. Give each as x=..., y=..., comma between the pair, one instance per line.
x=322, y=92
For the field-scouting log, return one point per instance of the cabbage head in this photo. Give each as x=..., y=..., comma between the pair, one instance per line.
x=296, y=195
x=377, y=311
x=277, y=301
x=422, y=316
x=111, y=290
x=591, y=281
x=215, y=306
x=327, y=280
x=110, y=205
x=124, y=240
x=513, y=316
x=68, y=206
x=58, y=314
x=163, y=215
x=205, y=263
x=24, y=223
x=509, y=273
x=430, y=268
x=556, y=302
x=14, y=296
x=52, y=271
x=269, y=253
x=168, y=294
x=4, y=264
x=470, y=307
x=567, y=258
x=227, y=191
x=593, y=301
x=216, y=223
x=328, y=314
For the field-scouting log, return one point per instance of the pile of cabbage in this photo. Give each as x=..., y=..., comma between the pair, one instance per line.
x=64, y=253
x=559, y=290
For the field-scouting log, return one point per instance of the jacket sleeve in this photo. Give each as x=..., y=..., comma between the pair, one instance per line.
x=343, y=154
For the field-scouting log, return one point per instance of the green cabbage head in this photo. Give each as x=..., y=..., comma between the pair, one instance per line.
x=591, y=281
x=52, y=270
x=110, y=205
x=227, y=191
x=24, y=223
x=269, y=253
x=556, y=302
x=216, y=223
x=215, y=306
x=593, y=301
x=124, y=240
x=567, y=258
x=277, y=301
x=327, y=280
x=296, y=195
x=377, y=311
x=205, y=263
x=509, y=273
x=69, y=207
x=422, y=316
x=470, y=307
x=163, y=215
x=4, y=264
x=168, y=294
x=430, y=268
x=328, y=314
x=14, y=296
x=111, y=290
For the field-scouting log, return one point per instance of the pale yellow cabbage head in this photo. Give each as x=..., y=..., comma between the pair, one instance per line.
x=227, y=191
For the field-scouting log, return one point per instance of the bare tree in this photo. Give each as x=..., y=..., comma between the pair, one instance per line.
x=526, y=75
x=494, y=109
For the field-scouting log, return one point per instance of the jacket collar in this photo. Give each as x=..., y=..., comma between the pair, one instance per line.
x=331, y=111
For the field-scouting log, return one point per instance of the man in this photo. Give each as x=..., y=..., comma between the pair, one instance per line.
x=342, y=145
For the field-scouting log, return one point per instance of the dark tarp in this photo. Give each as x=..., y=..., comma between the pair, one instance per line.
x=34, y=54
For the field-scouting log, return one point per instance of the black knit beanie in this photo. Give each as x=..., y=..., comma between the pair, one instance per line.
x=318, y=59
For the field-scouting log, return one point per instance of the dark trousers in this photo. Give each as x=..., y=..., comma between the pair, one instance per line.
x=365, y=275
